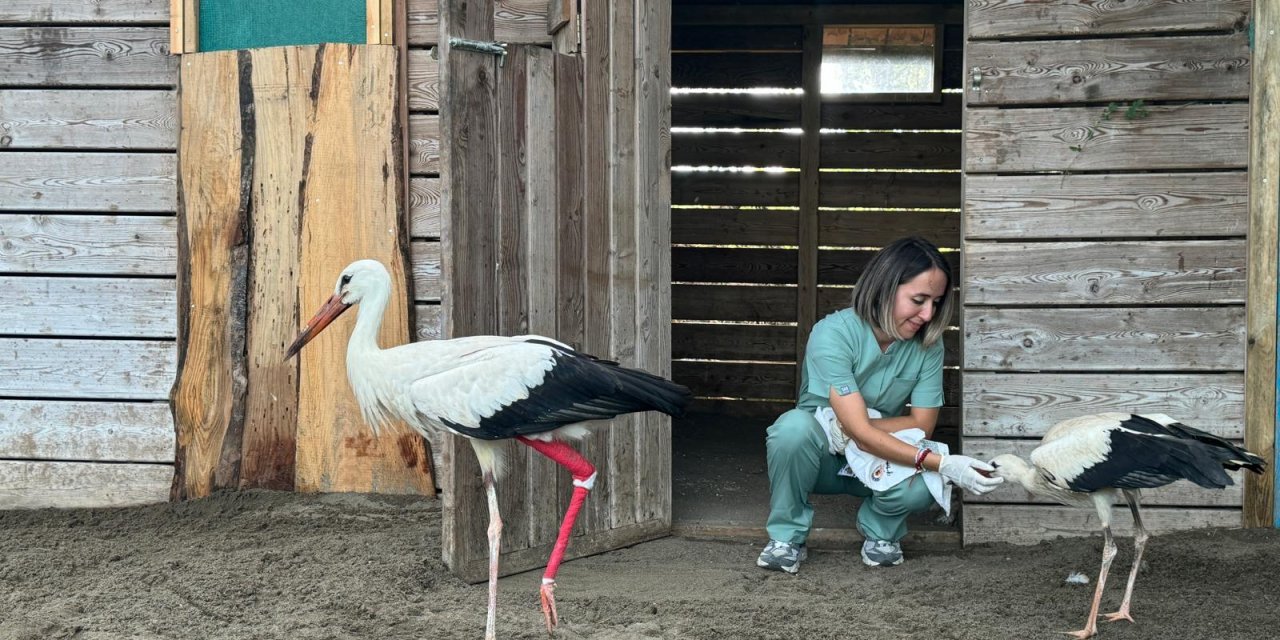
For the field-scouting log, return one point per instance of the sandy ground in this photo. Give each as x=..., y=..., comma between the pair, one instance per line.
x=271, y=565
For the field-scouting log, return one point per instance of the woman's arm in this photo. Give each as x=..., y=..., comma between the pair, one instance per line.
x=851, y=411
x=919, y=418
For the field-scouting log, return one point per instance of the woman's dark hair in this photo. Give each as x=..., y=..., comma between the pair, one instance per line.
x=877, y=287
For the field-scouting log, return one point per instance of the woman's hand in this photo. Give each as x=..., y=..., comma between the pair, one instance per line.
x=968, y=474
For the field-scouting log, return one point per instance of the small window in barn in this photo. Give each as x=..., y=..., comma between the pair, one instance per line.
x=862, y=61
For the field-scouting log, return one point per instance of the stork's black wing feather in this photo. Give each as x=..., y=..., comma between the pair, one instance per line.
x=1145, y=454
x=579, y=388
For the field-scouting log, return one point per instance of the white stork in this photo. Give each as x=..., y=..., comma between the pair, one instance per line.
x=1091, y=460
x=488, y=389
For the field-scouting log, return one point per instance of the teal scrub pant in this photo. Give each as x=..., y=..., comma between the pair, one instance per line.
x=800, y=463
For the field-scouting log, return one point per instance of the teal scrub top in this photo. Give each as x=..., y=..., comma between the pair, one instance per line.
x=843, y=354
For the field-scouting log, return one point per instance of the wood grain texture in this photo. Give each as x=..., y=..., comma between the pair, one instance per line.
x=1032, y=524
x=88, y=119
x=81, y=485
x=1014, y=18
x=424, y=144
x=86, y=56
x=80, y=430
x=515, y=21
x=1204, y=136
x=1106, y=205
x=354, y=96
x=1212, y=67
x=1027, y=404
x=1102, y=273
x=1264, y=210
x=81, y=181
x=88, y=244
x=84, y=368
x=1123, y=339
x=109, y=11
x=208, y=393
x=424, y=81
x=89, y=307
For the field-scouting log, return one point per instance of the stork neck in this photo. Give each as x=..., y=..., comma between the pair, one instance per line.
x=368, y=321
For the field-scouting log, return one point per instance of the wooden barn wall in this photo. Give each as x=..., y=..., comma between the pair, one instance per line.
x=742, y=258
x=1104, y=236
x=88, y=251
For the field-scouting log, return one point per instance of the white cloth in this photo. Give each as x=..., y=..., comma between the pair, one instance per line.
x=877, y=473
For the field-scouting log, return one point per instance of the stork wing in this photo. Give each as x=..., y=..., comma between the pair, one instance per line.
x=1133, y=453
x=529, y=385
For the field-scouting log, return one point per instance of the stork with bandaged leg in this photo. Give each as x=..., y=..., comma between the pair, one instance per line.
x=488, y=389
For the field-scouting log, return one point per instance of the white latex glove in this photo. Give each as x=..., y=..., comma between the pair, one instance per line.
x=963, y=471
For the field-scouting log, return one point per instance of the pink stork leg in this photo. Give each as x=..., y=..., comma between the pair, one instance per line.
x=584, y=476
x=1140, y=537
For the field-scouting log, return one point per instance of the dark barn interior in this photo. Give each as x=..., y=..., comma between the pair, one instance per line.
x=804, y=137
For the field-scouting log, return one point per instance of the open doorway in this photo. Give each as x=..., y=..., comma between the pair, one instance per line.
x=780, y=194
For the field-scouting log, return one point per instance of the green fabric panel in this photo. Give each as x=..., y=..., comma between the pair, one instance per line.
x=245, y=24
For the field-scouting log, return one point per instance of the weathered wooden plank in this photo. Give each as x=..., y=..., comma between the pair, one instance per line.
x=571, y=284
x=758, y=266
x=737, y=379
x=1180, y=494
x=844, y=266
x=807, y=224
x=111, y=11
x=424, y=81
x=755, y=149
x=97, y=431
x=468, y=103
x=879, y=228
x=86, y=56
x=891, y=190
x=89, y=307
x=354, y=100
x=1207, y=136
x=1264, y=209
x=78, y=181
x=889, y=115
x=424, y=207
x=735, y=189
x=91, y=245
x=1106, y=206
x=71, y=368
x=427, y=321
x=743, y=304
x=1125, y=69
x=1031, y=524
x=627, y=468
x=424, y=144
x=896, y=150
x=1027, y=404
x=514, y=21
x=208, y=393
x=722, y=38
x=81, y=485
x=735, y=110
x=1128, y=339
x=1015, y=18
x=88, y=119
x=785, y=13
x=737, y=70
x=1165, y=272
x=733, y=226
x=733, y=342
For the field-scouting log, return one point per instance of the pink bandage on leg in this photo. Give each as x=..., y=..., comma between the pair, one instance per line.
x=584, y=477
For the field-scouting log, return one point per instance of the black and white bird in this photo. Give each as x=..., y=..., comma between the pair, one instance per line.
x=489, y=389
x=1092, y=460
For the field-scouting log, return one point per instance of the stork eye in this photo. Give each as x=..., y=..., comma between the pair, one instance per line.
x=346, y=277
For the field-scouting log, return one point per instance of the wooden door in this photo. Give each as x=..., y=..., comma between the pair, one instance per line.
x=556, y=222
x=1105, y=219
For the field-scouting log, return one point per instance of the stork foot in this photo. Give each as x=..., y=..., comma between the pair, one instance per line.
x=1122, y=614
x=548, y=593
x=1083, y=633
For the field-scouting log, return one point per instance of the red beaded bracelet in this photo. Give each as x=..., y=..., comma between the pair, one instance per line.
x=921, y=454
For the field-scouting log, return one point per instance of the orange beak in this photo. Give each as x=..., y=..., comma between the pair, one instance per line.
x=331, y=309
